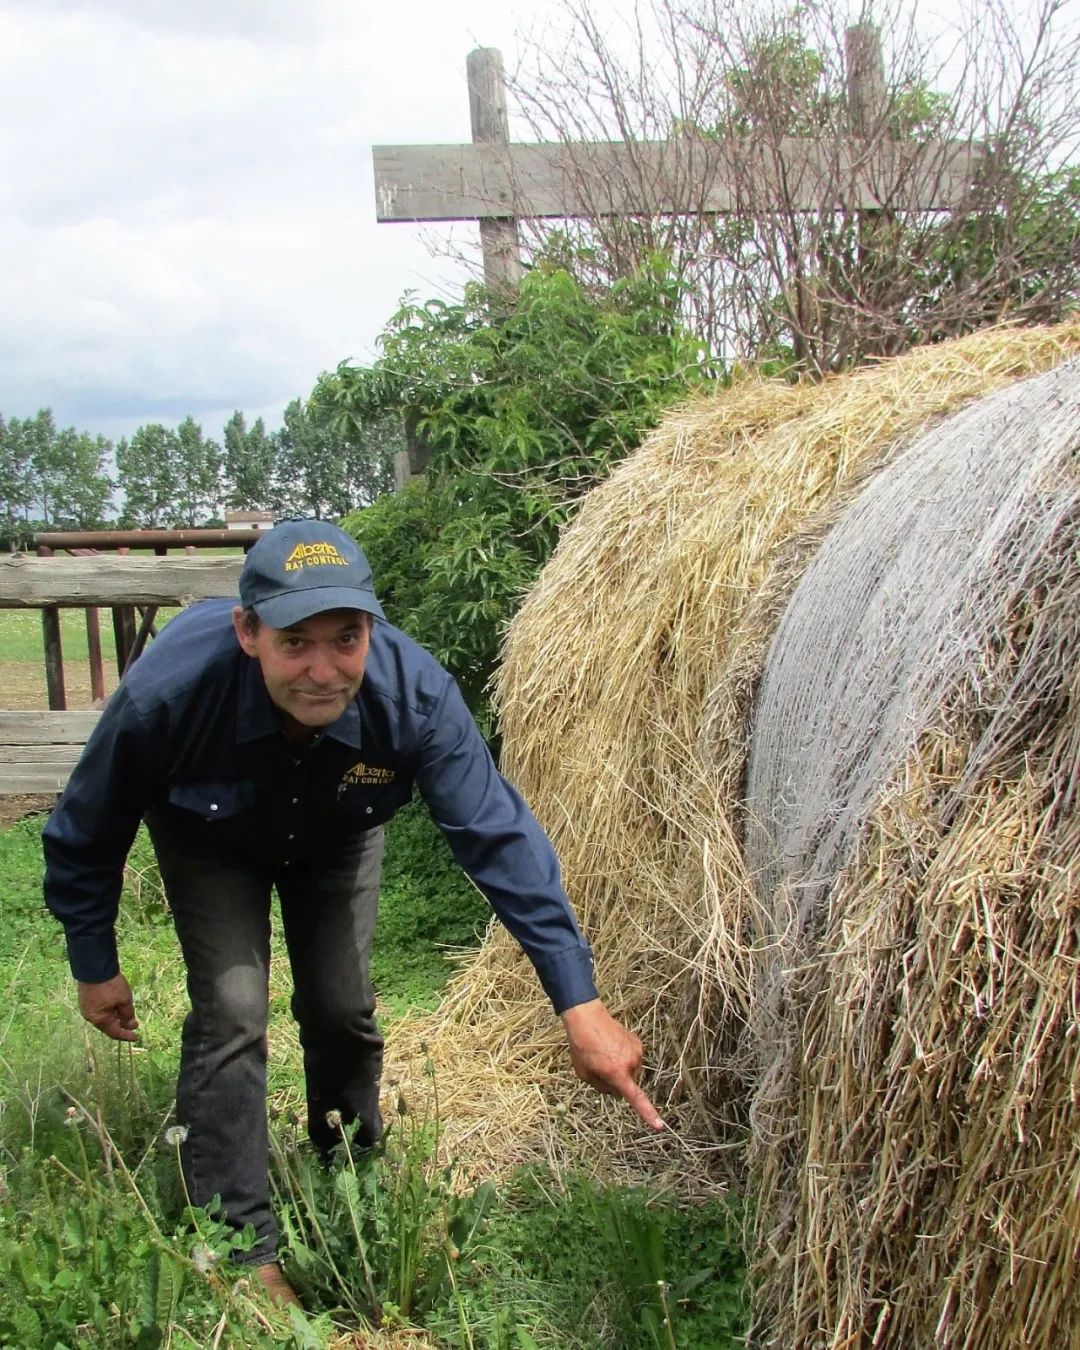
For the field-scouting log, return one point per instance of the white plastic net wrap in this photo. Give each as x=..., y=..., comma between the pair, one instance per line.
x=895, y=610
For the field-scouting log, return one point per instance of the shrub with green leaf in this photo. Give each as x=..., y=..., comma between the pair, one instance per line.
x=523, y=410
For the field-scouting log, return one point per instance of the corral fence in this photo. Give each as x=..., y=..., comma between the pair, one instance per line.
x=94, y=571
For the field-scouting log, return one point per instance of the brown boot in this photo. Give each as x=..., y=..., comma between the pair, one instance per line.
x=276, y=1285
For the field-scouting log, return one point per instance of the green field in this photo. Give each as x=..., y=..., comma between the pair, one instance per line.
x=22, y=656
x=97, y=1247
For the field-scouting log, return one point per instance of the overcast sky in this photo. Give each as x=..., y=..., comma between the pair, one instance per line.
x=187, y=218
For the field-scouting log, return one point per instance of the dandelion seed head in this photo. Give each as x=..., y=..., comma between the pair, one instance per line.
x=176, y=1134
x=333, y=1119
x=203, y=1259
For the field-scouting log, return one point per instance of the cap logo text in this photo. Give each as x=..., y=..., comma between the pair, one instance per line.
x=314, y=555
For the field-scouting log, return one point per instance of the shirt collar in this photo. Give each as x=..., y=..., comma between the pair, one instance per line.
x=256, y=715
x=347, y=728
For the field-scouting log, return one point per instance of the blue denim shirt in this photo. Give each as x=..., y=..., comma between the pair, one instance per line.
x=191, y=731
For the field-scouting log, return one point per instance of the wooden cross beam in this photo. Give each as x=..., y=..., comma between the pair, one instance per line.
x=690, y=176
x=498, y=183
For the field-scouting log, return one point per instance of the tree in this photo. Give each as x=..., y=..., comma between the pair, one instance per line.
x=82, y=489
x=148, y=471
x=308, y=470
x=15, y=498
x=248, y=464
x=328, y=463
x=198, y=471
x=51, y=479
x=368, y=459
x=725, y=85
x=44, y=465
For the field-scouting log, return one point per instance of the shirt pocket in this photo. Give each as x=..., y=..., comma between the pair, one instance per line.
x=366, y=805
x=213, y=801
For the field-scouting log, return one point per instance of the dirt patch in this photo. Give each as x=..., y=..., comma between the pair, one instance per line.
x=13, y=809
x=22, y=685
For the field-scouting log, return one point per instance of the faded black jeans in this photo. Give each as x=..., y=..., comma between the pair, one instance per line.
x=221, y=908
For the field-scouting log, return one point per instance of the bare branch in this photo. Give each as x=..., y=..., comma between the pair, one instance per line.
x=835, y=283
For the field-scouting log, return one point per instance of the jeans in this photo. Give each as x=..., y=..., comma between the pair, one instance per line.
x=221, y=908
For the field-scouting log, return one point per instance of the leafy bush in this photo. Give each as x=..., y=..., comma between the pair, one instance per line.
x=523, y=412
x=397, y=532
x=427, y=906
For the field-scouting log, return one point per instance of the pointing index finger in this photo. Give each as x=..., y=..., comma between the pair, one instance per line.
x=638, y=1099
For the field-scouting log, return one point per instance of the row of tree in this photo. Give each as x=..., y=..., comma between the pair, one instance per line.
x=166, y=477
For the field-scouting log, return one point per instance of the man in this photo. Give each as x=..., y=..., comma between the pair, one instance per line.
x=265, y=745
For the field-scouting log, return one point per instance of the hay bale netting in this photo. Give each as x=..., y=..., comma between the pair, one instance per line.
x=914, y=824
x=640, y=645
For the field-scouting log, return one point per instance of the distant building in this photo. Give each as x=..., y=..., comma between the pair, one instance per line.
x=249, y=520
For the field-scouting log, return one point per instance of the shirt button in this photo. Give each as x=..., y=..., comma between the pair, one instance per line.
x=295, y=800
x=213, y=806
x=367, y=810
x=292, y=836
x=296, y=763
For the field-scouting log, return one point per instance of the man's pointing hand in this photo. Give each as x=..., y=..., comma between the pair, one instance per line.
x=608, y=1056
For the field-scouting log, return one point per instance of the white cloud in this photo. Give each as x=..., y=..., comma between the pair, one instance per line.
x=186, y=206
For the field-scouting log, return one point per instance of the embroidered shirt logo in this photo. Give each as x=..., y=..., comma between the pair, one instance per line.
x=366, y=775
x=314, y=555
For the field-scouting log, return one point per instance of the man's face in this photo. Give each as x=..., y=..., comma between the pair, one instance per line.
x=313, y=669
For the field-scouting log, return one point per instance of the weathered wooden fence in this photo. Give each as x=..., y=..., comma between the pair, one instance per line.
x=38, y=749
x=129, y=638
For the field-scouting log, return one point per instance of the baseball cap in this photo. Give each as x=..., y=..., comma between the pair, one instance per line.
x=305, y=567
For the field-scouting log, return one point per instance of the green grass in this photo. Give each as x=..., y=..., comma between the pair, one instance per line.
x=96, y=1242
x=427, y=909
x=21, y=637
x=22, y=647
x=590, y=1265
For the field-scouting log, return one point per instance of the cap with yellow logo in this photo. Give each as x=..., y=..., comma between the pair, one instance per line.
x=305, y=567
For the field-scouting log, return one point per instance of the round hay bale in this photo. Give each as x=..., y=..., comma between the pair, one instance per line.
x=913, y=824
x=624, y=696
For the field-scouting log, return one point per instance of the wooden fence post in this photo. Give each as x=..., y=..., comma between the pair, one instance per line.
x=93, y=652
x=54, y=651
x=491, y=126
x=867, y=108
x=865, y=69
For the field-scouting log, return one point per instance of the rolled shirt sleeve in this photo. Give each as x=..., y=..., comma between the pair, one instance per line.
x=497, y=841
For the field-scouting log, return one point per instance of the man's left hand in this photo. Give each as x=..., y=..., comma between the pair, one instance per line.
x=608, y=1056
